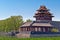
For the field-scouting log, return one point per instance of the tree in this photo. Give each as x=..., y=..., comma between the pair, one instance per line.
x=10, y=24
x=28, y=20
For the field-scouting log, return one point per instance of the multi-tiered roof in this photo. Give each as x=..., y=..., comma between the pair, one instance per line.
x=43, y=14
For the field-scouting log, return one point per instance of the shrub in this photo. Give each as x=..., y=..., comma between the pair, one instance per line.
x=54, y=30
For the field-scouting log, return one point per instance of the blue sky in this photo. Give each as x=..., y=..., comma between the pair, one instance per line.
x=27, y=8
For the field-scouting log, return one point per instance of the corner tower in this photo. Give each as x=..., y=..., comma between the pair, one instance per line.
x=43, y=14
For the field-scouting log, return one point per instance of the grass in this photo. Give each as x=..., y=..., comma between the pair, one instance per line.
x=41, y=38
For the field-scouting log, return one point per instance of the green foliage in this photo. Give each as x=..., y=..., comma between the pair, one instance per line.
x=28, y=20
x=11, y=24
x=54, y=30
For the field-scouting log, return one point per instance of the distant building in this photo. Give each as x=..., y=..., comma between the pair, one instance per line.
x=43, y=22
